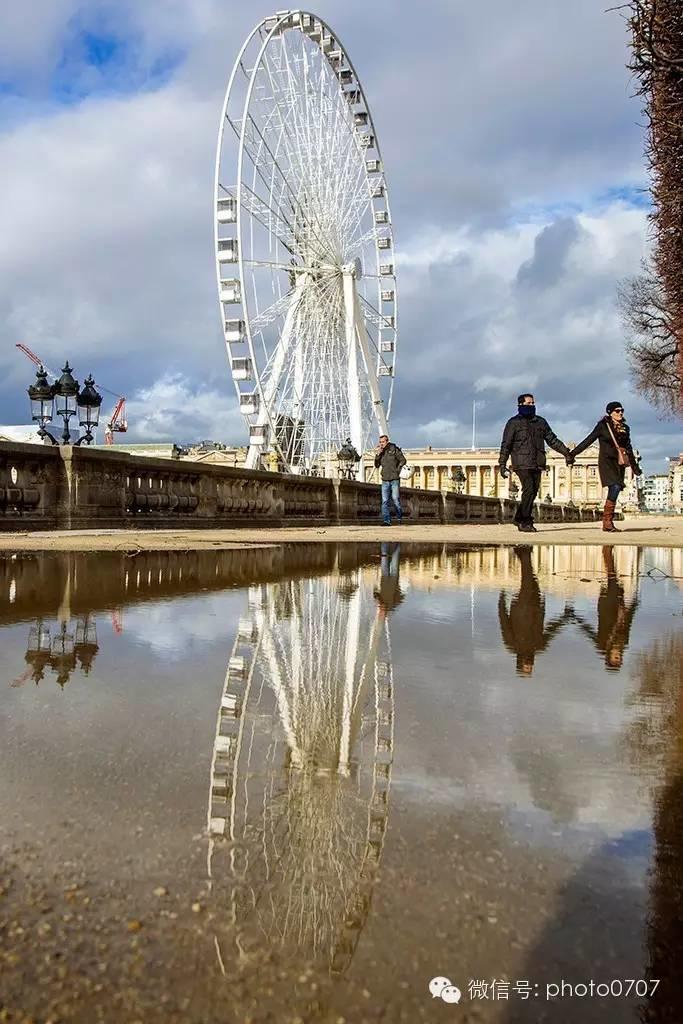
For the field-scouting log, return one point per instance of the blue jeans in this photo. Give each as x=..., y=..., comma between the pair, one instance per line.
x=390, y=494
x=613, y=491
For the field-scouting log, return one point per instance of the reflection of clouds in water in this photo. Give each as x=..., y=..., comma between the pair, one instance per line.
x=551, y=744
x=170, y=628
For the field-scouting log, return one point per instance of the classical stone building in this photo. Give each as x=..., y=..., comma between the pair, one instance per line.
x=475, y=471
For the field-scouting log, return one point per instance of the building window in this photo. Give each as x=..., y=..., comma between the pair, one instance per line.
x=592, y=470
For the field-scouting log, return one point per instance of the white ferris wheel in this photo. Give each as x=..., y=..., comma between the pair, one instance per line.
x=304, y=247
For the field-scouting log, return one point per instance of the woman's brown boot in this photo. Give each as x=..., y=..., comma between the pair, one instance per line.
x=608, y=517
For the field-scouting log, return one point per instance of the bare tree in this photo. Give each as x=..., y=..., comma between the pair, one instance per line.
x=655, y=302
x=653, y=347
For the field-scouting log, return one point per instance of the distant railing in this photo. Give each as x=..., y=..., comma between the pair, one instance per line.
x=67, y=488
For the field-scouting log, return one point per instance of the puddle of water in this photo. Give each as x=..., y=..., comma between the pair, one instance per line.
x=298, y=783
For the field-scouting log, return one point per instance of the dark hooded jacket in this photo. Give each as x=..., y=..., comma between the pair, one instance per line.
x=524, y=441
x=608, y=460
x=522, y=626
x=391, y=460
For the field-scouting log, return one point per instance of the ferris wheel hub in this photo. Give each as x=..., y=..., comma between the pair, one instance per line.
x=354, y=269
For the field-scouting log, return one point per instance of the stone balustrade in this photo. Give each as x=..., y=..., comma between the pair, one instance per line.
x=66, y=488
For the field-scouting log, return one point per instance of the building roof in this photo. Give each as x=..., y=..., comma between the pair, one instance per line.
x=24, y=434
x=157, y=449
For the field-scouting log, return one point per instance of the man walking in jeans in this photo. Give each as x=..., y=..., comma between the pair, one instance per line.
x=524, y=440
x=391, y=460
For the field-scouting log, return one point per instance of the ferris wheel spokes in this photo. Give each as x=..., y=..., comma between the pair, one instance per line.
x=297, y=837
x=272, y=385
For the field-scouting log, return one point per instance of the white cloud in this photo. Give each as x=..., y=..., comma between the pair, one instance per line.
x=106, y=252
x=439, y=430
x=175, y=409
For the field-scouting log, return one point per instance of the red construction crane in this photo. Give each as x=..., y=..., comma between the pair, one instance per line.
x=117, y=421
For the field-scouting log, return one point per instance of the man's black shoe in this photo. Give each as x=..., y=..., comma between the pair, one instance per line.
x=527, y=528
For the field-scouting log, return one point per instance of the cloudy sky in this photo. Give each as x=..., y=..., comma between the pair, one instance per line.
x=513, y=152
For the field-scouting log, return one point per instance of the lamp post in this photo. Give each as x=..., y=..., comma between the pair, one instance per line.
x=89, y=401
x=66, y=394
x=66, y=399
x=42, y=398
x=349, y=459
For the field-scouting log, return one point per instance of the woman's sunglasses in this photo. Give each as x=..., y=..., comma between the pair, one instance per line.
x=617, y=410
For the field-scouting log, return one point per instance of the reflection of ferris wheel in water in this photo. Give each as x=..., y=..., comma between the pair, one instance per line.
x=309, y=310
x=302, y=767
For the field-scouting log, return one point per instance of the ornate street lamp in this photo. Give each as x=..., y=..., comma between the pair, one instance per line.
x=89, y=401
x=66, y=395
x=349, y=458
x=459, y=479
x=63, y=660
x=38, y=650
x=66, y=400
x=42, y=397
x=85, y=642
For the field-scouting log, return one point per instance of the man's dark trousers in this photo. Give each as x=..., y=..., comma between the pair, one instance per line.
x=531, y=481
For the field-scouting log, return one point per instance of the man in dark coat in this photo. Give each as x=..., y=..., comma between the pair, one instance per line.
x=524, y=440
x=523, y=627
x=391, y=460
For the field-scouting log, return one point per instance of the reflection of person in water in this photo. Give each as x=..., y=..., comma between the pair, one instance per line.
x=389, y=594
x=614, y=616
x=523, y=626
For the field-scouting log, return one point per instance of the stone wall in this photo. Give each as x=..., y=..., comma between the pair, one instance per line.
x=44, y=488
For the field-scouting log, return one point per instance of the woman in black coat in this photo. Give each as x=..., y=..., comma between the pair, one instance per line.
x=613, y=434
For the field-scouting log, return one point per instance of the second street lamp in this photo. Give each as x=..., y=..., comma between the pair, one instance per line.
x=66, y=393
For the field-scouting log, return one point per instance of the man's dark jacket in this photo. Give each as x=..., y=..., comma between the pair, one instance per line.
x=392, y=460
x=524, y=441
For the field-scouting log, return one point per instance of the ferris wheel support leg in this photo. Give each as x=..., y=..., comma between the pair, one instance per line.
x=361, y=331
x=271, y=389
x=352, y=637
x=352, y=381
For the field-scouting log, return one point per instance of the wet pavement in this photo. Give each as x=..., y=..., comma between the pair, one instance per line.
x=298, y=783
